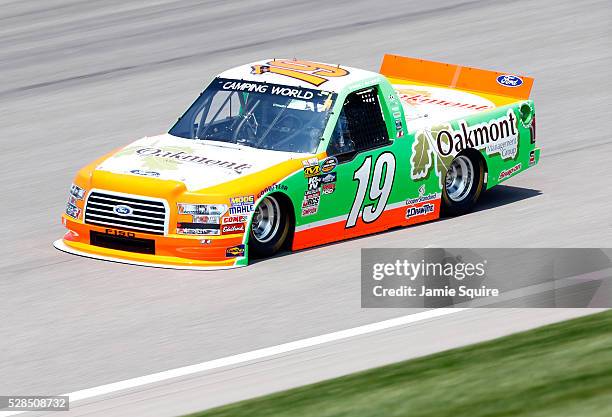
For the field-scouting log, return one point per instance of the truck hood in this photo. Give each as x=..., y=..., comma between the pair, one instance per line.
x=197, y=164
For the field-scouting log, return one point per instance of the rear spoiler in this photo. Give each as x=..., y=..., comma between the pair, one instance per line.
x=456, y=76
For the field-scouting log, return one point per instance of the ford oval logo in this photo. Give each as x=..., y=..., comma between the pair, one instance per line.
x=145, y=173
x=123, y=210
x=508, y=80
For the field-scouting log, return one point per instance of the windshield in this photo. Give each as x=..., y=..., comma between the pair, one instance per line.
x=260, y=115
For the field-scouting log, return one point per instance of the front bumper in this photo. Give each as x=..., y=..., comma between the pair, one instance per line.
x=171, y=251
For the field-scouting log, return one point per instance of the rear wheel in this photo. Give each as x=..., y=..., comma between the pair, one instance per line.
x=269, y=228
x=463, y=184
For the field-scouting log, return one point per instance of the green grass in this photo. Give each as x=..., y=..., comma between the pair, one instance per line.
x=561, y=370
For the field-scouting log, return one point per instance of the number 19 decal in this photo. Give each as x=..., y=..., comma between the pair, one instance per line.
x=380, y=188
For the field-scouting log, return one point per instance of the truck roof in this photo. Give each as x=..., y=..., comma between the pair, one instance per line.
x=299, y=73
x=430, y=92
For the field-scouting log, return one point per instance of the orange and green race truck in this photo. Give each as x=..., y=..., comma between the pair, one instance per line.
x=287, y=153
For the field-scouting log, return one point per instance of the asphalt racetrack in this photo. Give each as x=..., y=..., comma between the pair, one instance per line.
x=81, y=78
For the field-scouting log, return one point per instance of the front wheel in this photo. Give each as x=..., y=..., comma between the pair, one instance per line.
x=269, y=228
x=462, y=185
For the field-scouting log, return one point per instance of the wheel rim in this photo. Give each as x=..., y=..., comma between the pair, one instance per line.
x=266, y=220
x=459, y=178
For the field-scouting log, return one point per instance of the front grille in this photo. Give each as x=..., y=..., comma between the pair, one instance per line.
x=129, y=244
x=145, y=216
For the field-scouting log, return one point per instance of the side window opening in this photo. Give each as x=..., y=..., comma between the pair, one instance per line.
x=361, y=125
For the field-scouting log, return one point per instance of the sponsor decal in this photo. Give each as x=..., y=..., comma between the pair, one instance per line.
x=277, y=90
x=234, y=219
x=329, y=188
x=72, y=200
x=310, y=72
x=423, y=158
x=311, y=167
x=508, y=80
x=232, y=228
x=438, y=97
x=532, y=160
x=309, y=211
x=329, y=164
x=532, y=130
x=242, y=204
x=204, y=209
x=314, y=183
x=205, y=241
x=192, y=158
x=123, y=210
x=329, y=178
x=398, y=128
x=310, y=162
x=497, y=136
x=206, y=219
x=419, y=211
x=145, y=173
x=527, y=113
x=312, y=171
x=273, y=187
x=195, y=231
x=241, y=209
x=311, y=199
x=73, y=211
x=77, y=192
x=310, y=204
x=234, y=251
x=509, y=172
x=242, y=200
x=423, y=197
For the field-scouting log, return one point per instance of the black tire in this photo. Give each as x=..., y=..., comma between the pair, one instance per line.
x=457, y=197
x=261, y=243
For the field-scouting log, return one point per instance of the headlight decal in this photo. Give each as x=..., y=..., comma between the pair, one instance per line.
x=73, y=211
x=206, y=219
x=202, y=209
x=75, y=194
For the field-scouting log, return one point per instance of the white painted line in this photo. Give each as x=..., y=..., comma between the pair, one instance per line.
x=253, y=355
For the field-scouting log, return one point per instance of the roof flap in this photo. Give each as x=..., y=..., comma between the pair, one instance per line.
x=456, y=76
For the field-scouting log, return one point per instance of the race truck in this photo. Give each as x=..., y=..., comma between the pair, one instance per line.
x=287, y=153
